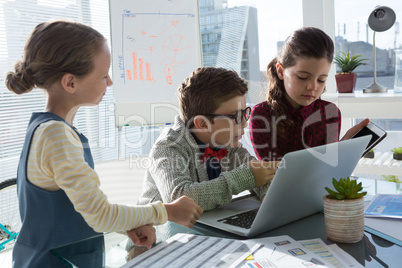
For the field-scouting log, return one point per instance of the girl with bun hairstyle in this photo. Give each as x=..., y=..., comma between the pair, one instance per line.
x=58, y=190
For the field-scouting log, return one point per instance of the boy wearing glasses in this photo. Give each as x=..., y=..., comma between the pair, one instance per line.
x=200, y=156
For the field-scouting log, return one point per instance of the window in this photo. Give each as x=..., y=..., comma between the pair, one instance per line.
x=276, y=20
x=266, y=26
x=97, y=123
x=17, y=19
x=353, y=34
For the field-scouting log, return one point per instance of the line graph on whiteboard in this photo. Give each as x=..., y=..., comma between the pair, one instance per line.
x=153, y=49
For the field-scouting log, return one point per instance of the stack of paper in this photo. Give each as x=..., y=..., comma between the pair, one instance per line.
x=283, y=252
x=187, y=250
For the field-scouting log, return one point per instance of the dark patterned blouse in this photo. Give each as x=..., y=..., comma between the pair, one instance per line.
x=314, y=125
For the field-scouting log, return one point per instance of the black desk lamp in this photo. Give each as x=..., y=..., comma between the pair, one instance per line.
x=381, y=19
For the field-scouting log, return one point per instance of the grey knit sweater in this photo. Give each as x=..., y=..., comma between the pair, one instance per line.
x=177, y=170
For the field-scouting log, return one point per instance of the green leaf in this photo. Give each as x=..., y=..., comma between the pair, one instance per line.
x=340, y=189
x=335, y=183
x=360, y=194
x=340, y=197
x=347, y=184
x=331, y=192
x=397, y=150
x=348, y=63
x=347, y=189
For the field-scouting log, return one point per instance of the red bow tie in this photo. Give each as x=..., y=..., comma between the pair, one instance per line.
x=209, y=152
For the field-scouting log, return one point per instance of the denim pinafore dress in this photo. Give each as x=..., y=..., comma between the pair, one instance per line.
x=49, y=221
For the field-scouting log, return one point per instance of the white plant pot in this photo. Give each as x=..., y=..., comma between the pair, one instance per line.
x=344, y=219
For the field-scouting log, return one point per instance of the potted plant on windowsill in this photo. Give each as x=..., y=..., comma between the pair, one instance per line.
x=395, y=179
x=397, y=153
x=344, y=211
x=369, y=154
x=346, y=79
x=391, y=178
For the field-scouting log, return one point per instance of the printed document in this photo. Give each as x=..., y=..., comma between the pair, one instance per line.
x=283, y=252
x=187, y=250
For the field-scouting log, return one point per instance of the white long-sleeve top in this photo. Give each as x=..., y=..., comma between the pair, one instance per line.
x=56, y=161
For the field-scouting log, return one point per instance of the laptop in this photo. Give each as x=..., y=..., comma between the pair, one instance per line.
x=296, y=190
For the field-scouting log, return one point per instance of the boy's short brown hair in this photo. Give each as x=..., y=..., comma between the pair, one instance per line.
x=206, y=89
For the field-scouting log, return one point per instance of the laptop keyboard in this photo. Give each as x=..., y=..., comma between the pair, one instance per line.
x=244, y=219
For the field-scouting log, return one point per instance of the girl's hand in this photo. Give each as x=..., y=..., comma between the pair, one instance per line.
x=183, y=211
x=353, y=130
x=143, y=235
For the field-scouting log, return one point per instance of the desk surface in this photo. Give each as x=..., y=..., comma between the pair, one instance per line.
x=371, y=251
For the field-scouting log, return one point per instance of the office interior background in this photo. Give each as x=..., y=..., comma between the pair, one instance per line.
x=235, y=34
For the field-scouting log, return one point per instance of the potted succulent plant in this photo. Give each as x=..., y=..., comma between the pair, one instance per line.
x=397, y=153
x=346, y=79
x=393, y=178
x=344, y=211
x=369, y=154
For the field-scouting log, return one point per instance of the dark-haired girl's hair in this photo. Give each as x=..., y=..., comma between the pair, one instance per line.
x=306, y=42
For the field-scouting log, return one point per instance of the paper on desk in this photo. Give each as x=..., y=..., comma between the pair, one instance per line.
x=331, y=253
x=345, y=257
x=283, y=251
x=389, y=229
x=188, y=250
x=385, y=206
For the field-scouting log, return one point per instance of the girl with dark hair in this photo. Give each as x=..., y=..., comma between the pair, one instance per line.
x=294, y=116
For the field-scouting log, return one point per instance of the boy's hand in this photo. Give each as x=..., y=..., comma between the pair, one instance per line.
x=263, y=171
x=143, y=235
x=183, y=211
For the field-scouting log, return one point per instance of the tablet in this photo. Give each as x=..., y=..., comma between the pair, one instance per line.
x=377, y=135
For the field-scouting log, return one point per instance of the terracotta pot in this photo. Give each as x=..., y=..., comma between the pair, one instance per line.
x=397, y=156
x=344, y=219
x=346, y=82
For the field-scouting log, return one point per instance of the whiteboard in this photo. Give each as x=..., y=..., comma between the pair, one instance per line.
x=155, y=45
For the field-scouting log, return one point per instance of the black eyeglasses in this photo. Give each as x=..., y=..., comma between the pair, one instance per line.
x=238, y=117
